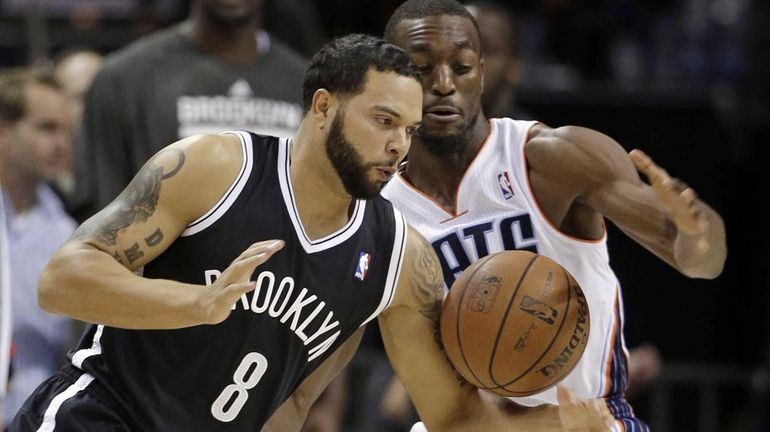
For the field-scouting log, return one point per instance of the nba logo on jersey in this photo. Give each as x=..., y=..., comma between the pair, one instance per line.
x=505, y=185
x=363, y=265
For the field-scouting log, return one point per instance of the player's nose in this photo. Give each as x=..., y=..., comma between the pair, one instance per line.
x=399, y=143
x=443, y=83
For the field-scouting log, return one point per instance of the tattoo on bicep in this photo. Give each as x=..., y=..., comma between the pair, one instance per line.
x=178, y=166
x=133, y=253
x=135, y=204
x=430, y=284
x=155, y=238
x=117, y=257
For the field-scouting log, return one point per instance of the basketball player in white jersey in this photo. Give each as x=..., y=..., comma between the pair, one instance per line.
x=474, y=186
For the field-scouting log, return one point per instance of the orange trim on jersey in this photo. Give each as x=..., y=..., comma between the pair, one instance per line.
x=453, y=214
x=611, y=346
x=454, y=217
x=537, y=203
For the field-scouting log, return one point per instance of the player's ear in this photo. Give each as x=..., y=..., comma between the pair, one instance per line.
x=321, y=107
x=482, y=66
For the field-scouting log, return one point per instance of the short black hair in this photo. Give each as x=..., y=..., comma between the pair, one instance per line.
x=416, y=9
x=340, y=66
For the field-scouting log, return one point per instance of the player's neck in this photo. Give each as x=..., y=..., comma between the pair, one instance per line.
x=322, y=203
x=439, y=177
x=237, y=44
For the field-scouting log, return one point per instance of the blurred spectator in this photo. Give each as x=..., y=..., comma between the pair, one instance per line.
x=35, y=138
x=217, y=70
x=644, y=367
x=74, y=71
x=307, y=34
x=5, y=309
x=501, y=63
x=106, y=8
x=575, y=41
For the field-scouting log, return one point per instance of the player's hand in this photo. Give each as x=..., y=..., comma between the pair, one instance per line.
x=583, y=415
x=681, y=201
x=217, y=299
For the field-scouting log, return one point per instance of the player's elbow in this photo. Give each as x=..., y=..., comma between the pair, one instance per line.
x=50, y=296
x=46, y=290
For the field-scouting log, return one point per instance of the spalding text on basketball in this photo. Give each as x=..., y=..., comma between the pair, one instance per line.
x=578, y=336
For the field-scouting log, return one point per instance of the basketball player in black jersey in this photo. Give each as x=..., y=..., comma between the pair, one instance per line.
x=261, y=261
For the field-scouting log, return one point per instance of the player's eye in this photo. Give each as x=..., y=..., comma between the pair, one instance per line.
x=412, y=130
x=462, y=69
x=385, y=121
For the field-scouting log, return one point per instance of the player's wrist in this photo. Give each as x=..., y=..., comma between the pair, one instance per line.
x=193, y=304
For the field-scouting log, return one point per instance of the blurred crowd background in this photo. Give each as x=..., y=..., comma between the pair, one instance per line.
x=687, y=81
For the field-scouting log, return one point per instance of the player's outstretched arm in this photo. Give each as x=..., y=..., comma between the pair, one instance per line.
x=444, y=401
x=91, y=277
x=584, y=167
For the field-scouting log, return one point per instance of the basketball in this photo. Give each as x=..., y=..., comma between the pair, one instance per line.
x=515, y=323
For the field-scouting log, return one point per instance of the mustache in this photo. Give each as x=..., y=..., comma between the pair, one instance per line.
x=391, y=165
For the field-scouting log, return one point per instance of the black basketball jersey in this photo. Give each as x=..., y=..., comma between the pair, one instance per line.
x=309, y=298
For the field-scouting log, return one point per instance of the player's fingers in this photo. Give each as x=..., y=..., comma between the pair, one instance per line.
x=243, y=266
x=604, y=414
x=688, y=196
x=644, y=163
x=688, y=200
x=609, y=423
x=239, y=288
x=249, y=263
x=675, y=185
x=266, y=246
x=564, y=396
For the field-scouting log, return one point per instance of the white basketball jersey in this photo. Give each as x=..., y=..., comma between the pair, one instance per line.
x=496, y=211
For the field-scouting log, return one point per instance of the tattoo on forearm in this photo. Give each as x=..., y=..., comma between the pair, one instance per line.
x=133, y=253
x=136, y=204
x=154, y=238
x=430, y=289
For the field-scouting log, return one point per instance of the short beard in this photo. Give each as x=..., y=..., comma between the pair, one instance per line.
x=444, y=144
x=349, y=164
